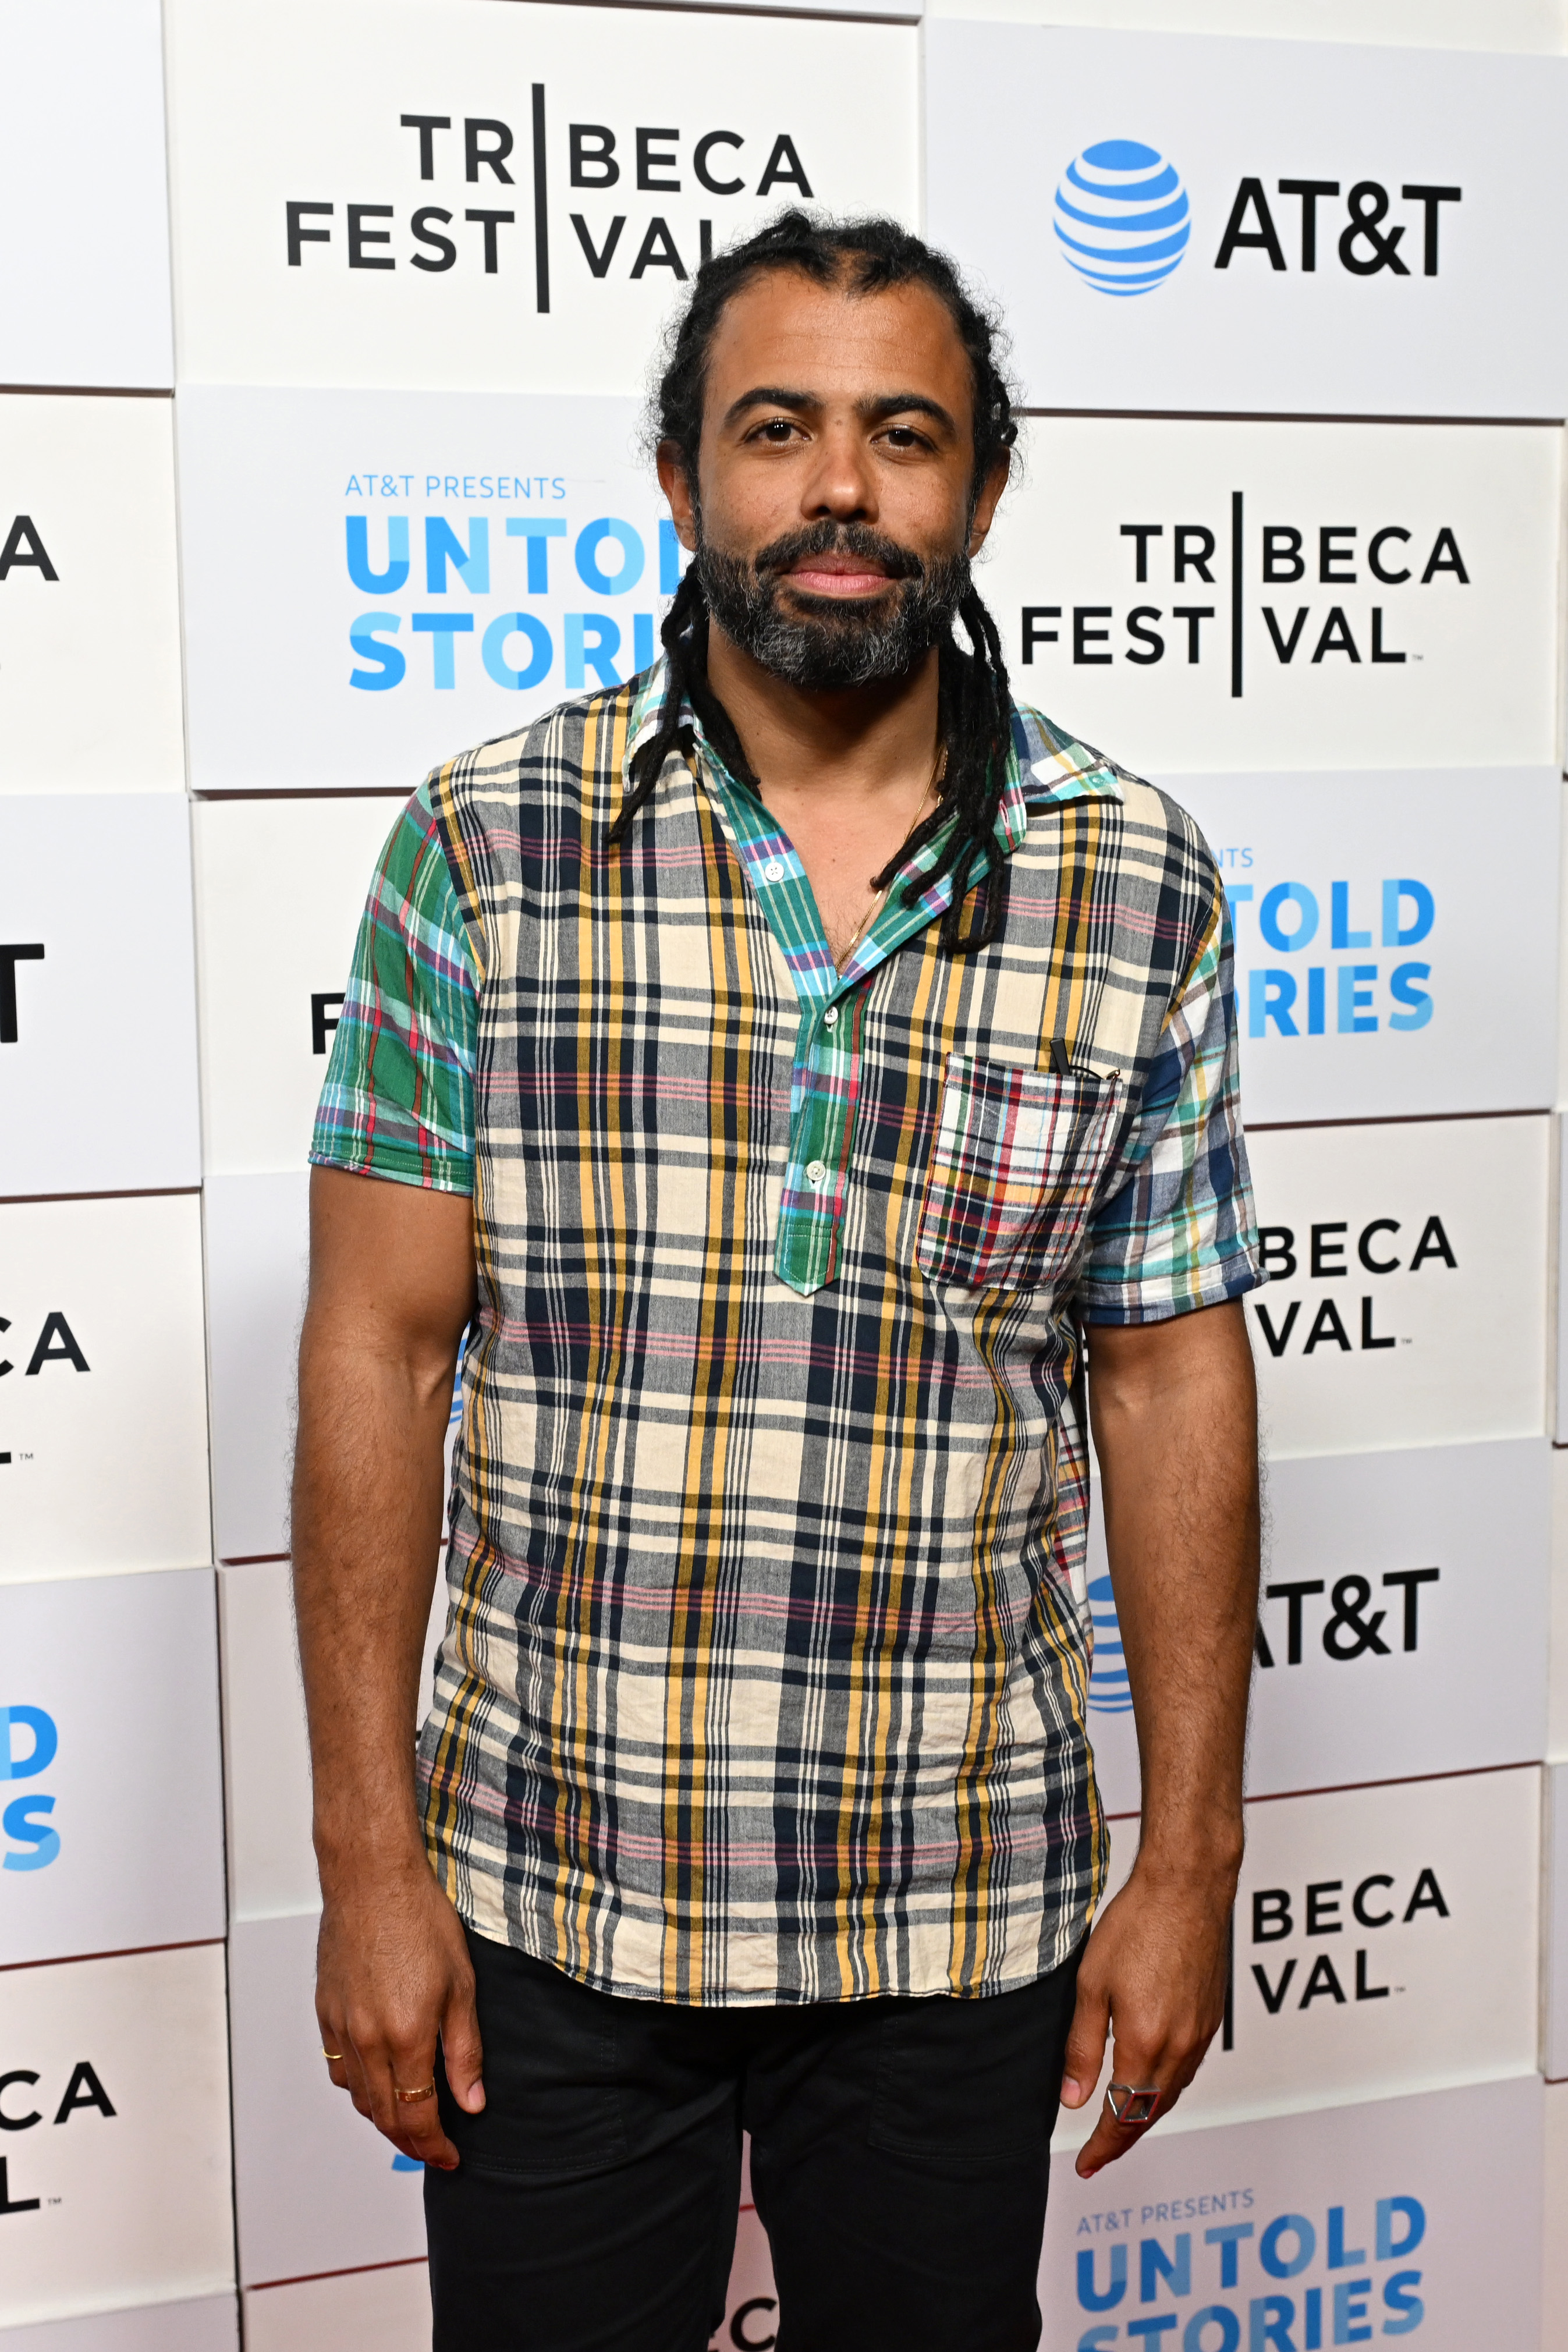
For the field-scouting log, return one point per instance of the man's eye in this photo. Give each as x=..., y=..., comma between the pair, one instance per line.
x=904, y=436
x=777, y=429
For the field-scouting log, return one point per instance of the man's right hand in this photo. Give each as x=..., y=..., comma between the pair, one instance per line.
x=393, y=1977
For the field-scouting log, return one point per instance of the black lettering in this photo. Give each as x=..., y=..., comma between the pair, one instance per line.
x=55, y=1330
x=1430, y=199
x=1380, y=652
x=1136, y=628
x=652, y=159
x=83, y=2090
x=491, y=223
x=1286, y=646
x=1369, y=1337
x=1034, y=635
x=1324, y=1250
x=1143, y=532
x=1368, y=202
x=443, y=244
x=1412, y=1579
x=1452, y=562
x=1196, y=557
x=657, y=249
x=1308, y=192
x=1277, y=1340
x=24, y=546
x=18, y=951
x=1271, y=1920
x=493, y=157
x=1322, y=1980
x=1083, y=636
x=1273, y=1995
x=1264, y=1654
x=599, y=262
x=300, y=236
x=1323, y=1907
x=1374, y=548
x=427, y=126
x=744, y=2343
x=9, y=2204
x=784, y=166
x=1326, y=1325
x=360, y=236
x=1194, y=616
x=1282, y=557
x=1427, y=1896
x=1276, y=1252
x=1434, y=1242
x=1364, y=1991
x=1377, y=1265
x=322, y=1022
x=1293, y=1595
x=1336, y=637
x=1358, y=1901
x=1331, y=558
x=699, y=155
x=1249, y=197
x=593, y=166
x=1348, y=1634
x=17, y=2122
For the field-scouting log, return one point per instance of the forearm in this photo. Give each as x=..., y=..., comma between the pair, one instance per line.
x=1175, y=1420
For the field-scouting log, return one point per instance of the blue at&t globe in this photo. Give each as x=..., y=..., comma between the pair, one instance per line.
x=1121, y=216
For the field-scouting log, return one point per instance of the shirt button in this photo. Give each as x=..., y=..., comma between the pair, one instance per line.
x=817, y=1174
x=830, y=1018
x=773, y=870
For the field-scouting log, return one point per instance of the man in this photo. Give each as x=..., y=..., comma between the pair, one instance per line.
x=777, y=1061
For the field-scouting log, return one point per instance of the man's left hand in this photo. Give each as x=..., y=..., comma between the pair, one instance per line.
x=1153, y=1979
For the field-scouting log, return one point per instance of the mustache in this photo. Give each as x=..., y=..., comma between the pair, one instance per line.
x=825, y=537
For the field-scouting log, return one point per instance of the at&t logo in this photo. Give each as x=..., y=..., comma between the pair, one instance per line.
x=1121, y=216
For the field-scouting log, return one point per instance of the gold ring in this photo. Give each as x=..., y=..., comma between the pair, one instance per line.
x=333, y=2057
x=410, y=2097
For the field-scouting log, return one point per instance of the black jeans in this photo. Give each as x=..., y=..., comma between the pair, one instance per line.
x=899, y=2158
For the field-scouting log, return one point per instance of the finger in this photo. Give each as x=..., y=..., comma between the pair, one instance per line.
x=1085, y=2053
x=413, y=2123
x=462, y=2052
x=1141, y=2070
x=336, y=2052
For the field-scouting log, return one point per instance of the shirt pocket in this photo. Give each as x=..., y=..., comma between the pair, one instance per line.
x=1014, y=1167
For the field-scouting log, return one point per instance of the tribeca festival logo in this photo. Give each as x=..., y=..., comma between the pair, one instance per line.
x=82, y=2090
x=1123, y=222
x=1287, y=2249
x=1123, y=217
x=542, y=556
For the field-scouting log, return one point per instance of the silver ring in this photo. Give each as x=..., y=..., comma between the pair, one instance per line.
x=1132, y=2102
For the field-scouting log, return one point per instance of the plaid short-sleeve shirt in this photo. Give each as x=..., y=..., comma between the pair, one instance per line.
x=765, y=1669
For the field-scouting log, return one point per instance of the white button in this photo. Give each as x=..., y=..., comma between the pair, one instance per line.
x=830, y=1018
x=773, y=870
x=817, y=1174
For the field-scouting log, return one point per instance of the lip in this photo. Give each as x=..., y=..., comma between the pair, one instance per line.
x=827, y=575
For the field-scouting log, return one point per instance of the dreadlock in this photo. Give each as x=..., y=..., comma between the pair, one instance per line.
x=974, y=708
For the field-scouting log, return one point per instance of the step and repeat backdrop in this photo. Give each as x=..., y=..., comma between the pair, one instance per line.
x=322, y=363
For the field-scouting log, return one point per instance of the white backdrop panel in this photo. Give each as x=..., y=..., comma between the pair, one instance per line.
x=110, y=1818
x=89, y=630
x=1129, y=584
x=294, y=102
x=1406, y=1305
x=317, y=2188
x=95, y=937
x=1441, y=2193
x=272, y=1865
x=1433, y=304
x=1557, y=1717
x=84, y=292
x=1359, y=907
x=258, y=1246
x=103, y=1409
x=132, y=2204
x=281, y=888
x=385, y=2310
x=209, y=2324
x=1525, y=26
x=1385, y=1940
x=1556, y=2011
x=425, y=570
x=1423, y=1647
x=1555, y=2282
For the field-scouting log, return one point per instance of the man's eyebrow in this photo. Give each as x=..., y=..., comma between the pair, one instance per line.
x=872, y=410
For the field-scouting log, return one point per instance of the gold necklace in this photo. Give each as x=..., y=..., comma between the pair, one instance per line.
x=859, y=933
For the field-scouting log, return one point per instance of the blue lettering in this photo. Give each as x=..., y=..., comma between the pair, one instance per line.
x=1353, y=1021
x=377, y=584
x=1089, y=2294
x=471, y=563
x=591, y=574
x=1412, y=2213
x=1094, y=2340
x=364, y=639
x=1349, y=2311
x=1226, y=2239
x=1408, y=2309
x=1338, y=2259
x=1270, y=995
x=1213, y=2314
x=1295, y=2225
x=599, y=656
x=538, y=530
x=1268, y=2318
x=45, y=1737
x=1342, y=935
x=493, y=649
x=1402, y=988
x=1283, y=895
x=21, y=1822
x=1316, y=978
x=1425, y=906
x=1154, y=2264
x=441, y=628
x=642, y=641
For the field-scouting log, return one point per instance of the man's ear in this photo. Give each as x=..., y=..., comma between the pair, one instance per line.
x=677, y=488
x=986, y=505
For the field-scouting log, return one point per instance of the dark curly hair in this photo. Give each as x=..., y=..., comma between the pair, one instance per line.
x=974, y=706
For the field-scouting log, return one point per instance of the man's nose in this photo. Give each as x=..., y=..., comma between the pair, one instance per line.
x=842, y=483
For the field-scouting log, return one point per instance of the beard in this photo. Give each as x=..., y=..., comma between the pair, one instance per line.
x=825, y=644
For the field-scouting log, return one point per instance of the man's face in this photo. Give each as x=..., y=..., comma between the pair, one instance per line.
x=834, y=514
